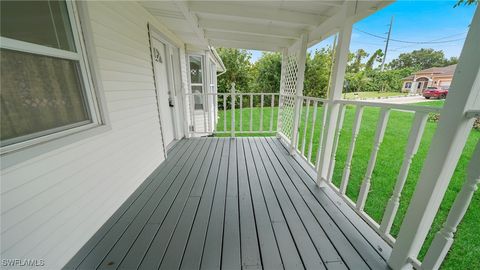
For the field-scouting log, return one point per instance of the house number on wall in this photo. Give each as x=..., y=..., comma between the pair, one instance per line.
x=157, y=56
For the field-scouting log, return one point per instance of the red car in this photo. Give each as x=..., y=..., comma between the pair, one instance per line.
x=435, y=92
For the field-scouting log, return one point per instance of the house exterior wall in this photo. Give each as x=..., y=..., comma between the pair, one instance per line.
x=53, y=203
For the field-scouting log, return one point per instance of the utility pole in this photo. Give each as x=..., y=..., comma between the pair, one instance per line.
x=386, y=45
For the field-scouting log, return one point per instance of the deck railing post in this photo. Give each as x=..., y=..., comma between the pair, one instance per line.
x=232, y=114
x=444, y=238
x=338, y=76
x=447, y=145
x=301, y=59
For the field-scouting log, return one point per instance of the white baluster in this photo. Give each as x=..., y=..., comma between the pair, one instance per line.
x=225, y=112
x=322, y=133
x=251, y=111
x=365, y=188
x=314, y=119
x=341, y=116
x=272, y=105
x=348, y=161
x=296, y=124
x=241, y=112
x=232, y=94
x=215, y=112
x=261, y=112
x=444, y=238
x=414, y=140
x=305, y=125
x=205, y=120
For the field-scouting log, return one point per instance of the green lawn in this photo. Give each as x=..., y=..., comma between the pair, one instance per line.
x=466, y=248
x=365, y=95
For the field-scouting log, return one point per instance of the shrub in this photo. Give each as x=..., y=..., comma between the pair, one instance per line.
x=435, y=117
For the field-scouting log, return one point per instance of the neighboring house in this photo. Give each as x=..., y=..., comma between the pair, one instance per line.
x=435, y=76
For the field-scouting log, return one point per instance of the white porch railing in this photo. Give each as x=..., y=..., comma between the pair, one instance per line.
x=414, y=138
x=258, y=114
x=233, y=113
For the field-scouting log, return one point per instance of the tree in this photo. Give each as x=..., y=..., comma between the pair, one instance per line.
x=466, y=2
x=377, y=56
x=237, y=63
x=356, y=64
x=420, y=59
x=317, y=72
x=266, y=73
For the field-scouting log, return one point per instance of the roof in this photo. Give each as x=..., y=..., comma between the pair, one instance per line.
x=448, y=70
x=257, y=25
x=442, y=71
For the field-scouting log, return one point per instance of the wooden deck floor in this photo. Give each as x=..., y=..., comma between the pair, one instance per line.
x=221, y=203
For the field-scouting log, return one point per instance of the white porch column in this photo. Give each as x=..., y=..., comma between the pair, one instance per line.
x=338, y=77
x=301, y=59
x=447, y=144
x=282, y=87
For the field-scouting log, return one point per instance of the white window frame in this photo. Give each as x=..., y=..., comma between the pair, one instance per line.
x=202, y=64
x=86, y=77
x=203, y=84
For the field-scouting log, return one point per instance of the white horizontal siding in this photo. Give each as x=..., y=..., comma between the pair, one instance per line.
x=53, y=203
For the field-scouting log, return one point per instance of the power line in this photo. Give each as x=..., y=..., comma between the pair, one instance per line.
x=408, y=46
x=409, y=42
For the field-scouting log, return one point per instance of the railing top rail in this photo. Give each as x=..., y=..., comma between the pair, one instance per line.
x=236, y=94
x=473, y=113
x=403, y=107
x=314, y=99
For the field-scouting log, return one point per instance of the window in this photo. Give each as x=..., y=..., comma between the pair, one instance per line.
x=408, y=85
x=196, y=79
x=46, y=90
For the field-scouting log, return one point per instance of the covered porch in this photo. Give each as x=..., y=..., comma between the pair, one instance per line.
x=254, y=203
x=233, y=203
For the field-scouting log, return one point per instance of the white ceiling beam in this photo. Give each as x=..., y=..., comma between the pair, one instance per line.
x=281, y=42
x=191, y=19
x=257, y=13
x=245, y=45
x=270, y=30
x=335, y=3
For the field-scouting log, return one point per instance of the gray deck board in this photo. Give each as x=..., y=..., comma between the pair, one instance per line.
x=194, y=249
x=134, y=229
x=349, y=227
x=212, y=249
x=248, y=230
x=92, y=242
x=231, y=254
x=324, y=246
x=222, y=203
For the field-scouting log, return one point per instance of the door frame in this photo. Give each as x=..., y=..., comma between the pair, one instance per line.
x=175, y=87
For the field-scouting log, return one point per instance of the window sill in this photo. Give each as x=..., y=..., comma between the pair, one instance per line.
x=19, y=155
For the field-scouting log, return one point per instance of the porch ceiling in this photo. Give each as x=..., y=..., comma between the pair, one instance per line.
x=257, y=25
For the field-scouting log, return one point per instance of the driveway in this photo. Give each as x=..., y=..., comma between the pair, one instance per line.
x=400, y=100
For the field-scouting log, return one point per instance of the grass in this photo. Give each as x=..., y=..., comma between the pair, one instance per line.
x=369, y=95
x=465, y=251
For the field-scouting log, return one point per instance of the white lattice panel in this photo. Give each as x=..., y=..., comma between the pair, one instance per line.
x=288, y=91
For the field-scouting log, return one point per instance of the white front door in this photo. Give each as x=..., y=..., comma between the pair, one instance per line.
x=164, y=90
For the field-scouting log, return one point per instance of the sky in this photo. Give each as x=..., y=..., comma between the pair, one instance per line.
x=414, y=21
